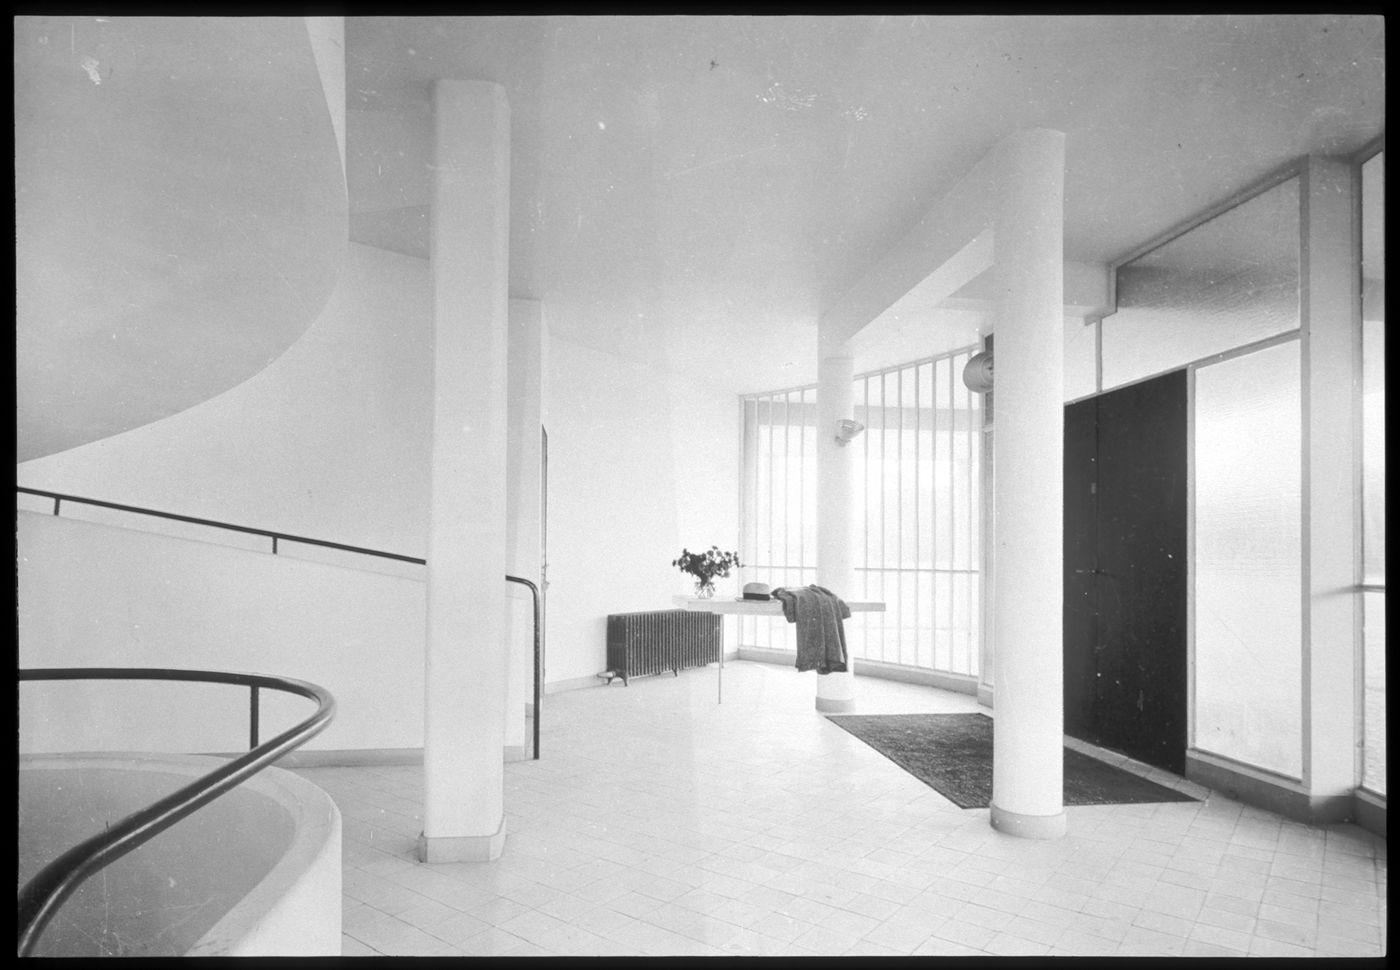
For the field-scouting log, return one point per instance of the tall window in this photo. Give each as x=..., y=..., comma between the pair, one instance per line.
x=918, y=548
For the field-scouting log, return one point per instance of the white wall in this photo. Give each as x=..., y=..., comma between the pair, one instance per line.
x=639, y=465
x=330, y=441
x=97, y=595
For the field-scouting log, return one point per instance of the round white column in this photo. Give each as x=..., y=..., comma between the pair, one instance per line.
x=464, y=730
x=1028, y=763
x=836, y=692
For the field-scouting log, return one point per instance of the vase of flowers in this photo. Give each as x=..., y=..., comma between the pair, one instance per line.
x=706, y=567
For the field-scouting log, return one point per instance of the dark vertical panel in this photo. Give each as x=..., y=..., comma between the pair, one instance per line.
x=1081, y=559
x=1142, y=555
x=1125, y=571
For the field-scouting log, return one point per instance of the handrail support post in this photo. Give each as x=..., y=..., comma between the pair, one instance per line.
x=253, y=717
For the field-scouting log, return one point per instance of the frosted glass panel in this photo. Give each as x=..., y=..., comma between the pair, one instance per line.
x=1248, y=577
x=1373, y=464
x=1373, y=762
x=1228, y=282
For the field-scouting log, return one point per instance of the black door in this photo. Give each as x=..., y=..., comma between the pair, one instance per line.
x=1125, y=571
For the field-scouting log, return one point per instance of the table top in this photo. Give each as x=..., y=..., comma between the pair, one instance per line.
x=761, y=607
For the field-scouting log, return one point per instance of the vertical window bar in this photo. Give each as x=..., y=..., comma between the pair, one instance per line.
x=750, y=418
x=974, y=477
x=918, y=526
x=879, y=560
x=787, y=580
x=969, y=484
x=775, y=558
x=802, y=484
x=952, y=519
x=933, y=511
x=867, y=619
x=787, y=491
x=768, y=525
x=899, y=517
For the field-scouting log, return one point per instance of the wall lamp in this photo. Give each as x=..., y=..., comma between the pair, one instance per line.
x=846, y=430
x=977, y=375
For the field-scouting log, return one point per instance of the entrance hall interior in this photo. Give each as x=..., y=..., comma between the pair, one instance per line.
x=396, y=355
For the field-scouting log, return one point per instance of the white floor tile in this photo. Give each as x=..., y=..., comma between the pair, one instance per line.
x=660, y=823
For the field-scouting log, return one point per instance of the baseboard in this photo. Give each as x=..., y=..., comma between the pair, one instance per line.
x=958, y=683
x=351, y=758
x=573, y=683
x=370, y=757
x=1266, y=789
x=766, y=655
x=1368, y=808
x=872, y=668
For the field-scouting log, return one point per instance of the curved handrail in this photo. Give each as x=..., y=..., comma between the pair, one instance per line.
x=42, y=895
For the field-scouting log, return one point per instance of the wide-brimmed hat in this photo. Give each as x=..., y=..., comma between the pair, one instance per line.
x=757, y=591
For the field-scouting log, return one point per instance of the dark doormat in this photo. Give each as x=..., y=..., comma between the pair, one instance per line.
x=952, y=754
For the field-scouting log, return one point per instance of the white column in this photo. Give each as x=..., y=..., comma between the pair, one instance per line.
x=835, y=507
x=522, y=515
x=463, y=814
x=1331, y=352
x=1027, y=763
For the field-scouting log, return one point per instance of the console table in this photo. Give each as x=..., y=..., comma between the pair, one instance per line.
x=744, y=607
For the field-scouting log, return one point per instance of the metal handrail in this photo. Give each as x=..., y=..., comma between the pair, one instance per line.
x=59, y=498
x=40, y=898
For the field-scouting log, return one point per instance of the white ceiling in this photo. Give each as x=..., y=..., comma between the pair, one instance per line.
x=695, y=191
x=701, y=188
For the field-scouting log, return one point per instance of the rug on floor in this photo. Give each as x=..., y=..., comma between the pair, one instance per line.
x=952, y=754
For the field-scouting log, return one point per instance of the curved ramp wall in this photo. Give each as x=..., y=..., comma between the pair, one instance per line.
x=256, y=872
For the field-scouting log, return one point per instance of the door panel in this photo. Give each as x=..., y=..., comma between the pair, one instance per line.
x=1081, y=558
x=1125, y=582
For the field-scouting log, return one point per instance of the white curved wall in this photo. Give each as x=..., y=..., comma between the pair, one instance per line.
x=255, y=872
x=330, y=441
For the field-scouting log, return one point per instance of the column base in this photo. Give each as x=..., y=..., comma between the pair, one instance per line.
x=835, y=705
x=1028, y=826
x=462, y=848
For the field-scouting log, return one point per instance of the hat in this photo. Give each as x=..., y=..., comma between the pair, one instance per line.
x=757, y=591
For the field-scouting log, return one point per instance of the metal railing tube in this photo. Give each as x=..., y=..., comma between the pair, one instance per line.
x=42, y=895
x=535, y=599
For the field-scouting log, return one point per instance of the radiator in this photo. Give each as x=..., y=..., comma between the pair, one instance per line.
x=648, y=643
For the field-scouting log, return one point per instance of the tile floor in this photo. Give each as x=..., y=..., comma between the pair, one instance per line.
x=660, y=823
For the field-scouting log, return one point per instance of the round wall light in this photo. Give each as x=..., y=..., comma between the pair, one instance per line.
x=977, y=375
